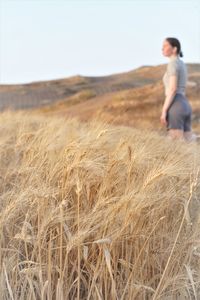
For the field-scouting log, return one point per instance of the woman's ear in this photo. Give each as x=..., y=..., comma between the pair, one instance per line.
x=176, y=49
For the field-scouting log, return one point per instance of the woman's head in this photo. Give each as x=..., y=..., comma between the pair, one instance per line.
x=172, y=46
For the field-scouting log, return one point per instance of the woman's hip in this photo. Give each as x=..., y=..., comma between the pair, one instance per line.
x=180, y=104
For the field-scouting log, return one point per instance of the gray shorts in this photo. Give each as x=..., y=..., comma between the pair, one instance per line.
x=179, y=114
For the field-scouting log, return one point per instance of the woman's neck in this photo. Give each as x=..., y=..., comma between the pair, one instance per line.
x=173, y=57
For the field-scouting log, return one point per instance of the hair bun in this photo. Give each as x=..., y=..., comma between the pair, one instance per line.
x=181, y=53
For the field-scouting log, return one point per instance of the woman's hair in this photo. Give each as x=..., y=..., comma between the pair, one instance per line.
x=175, y=43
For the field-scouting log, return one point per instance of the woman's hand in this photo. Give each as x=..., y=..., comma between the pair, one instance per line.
x=163, y=118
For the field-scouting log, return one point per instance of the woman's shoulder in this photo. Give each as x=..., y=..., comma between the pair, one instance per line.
x=173, y=66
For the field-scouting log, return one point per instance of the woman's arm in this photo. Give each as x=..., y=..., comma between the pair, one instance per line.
x=172, y=71
x=171, y=92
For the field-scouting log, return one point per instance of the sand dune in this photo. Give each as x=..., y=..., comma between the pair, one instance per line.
x=132, y=98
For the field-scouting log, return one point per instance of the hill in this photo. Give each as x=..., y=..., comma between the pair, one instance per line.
x=131, y=98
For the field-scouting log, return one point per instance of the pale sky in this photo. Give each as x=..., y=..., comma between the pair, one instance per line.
x=51, y=39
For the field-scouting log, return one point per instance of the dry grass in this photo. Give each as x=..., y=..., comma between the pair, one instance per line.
x=95, y=211
x=75, y=99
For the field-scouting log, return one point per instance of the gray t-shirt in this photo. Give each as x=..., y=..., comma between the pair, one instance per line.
x=176, y=67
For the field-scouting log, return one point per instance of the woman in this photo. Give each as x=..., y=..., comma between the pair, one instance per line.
x=176, y=111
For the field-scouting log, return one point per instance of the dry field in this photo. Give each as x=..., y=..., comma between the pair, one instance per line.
x=91, y=210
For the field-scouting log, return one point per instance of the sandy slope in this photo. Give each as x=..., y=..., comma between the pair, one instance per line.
x=132, y=98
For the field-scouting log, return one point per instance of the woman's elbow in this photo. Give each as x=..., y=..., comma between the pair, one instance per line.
x=173, y=90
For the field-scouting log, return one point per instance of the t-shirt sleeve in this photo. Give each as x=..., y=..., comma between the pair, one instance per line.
x=172, y=68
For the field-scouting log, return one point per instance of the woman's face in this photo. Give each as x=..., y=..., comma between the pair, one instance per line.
x=167, y=49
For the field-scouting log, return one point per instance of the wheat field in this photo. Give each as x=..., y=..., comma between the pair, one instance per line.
x=95, y=211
